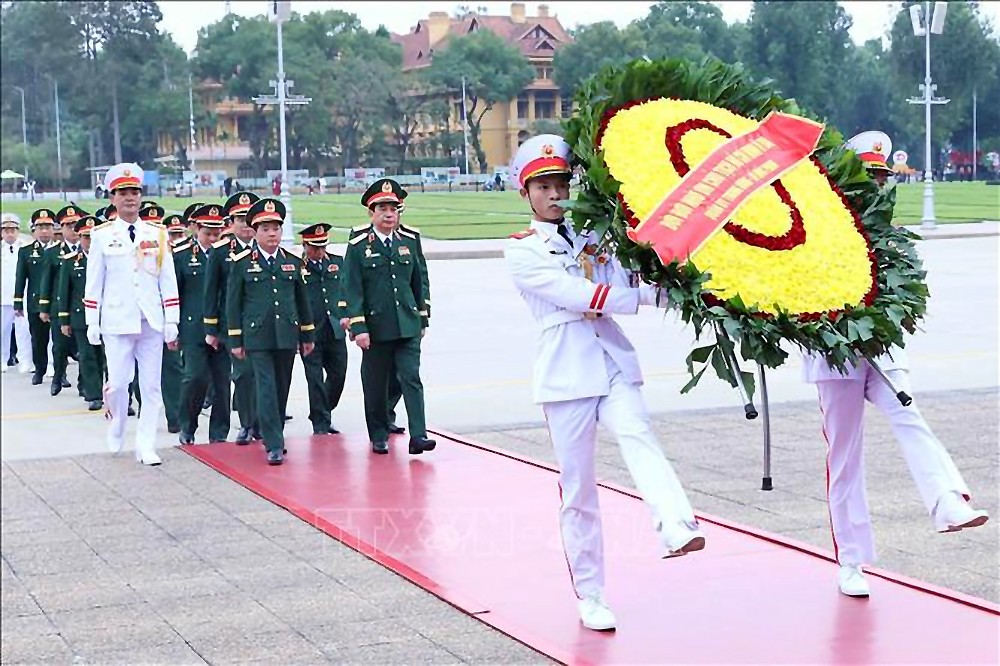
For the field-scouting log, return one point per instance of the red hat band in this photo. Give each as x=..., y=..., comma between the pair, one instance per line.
x=543, y=165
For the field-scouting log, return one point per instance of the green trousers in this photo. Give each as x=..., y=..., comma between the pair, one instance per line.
x=91, y=365
x=205, y=367
x=272, y=371
x=62, y=347
x=244, y=393
x=171, y=375
x=39, y=331
x=326, y=370
x=376, y=363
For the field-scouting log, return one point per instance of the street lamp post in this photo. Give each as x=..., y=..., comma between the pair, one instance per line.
x=191, y=123
x=24, y=132
x=930, y=24
x=58, y=141
x=278, y=12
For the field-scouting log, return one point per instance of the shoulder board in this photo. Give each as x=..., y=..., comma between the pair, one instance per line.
x=154, y=224
x=406, y=234
x=523, y=234
x=357, y=239
x=360, y=227
x=220, y=243
x=237, y=257
x=70, y=255
x=183, y=246
x=412, y=230
x=101, y=226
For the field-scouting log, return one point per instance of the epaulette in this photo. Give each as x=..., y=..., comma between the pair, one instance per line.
x=360, y=228
x=412, y=230
x=154, y=224
x=406, y=234
x=237, y=257
x=523, y=234
x=179, y=241
x=357, y=239
x=101, y=226
x=222, y=242
x=70, y=255
x=182, y=247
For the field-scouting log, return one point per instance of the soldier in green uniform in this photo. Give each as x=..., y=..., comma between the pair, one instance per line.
x=72, y=318
x=204, y=364
x=172, y=365
x=220, y=262
x=386, y=314
x=176, y=230
x=267, y=310
x=62, y=345
x=322, y=273
x=30, y=271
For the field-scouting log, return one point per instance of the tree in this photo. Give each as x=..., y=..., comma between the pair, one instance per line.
x=686, y=29
x=493, y=72
x=411, y=102
x=593, y=47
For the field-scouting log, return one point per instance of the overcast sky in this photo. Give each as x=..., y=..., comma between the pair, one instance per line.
x=183, y=18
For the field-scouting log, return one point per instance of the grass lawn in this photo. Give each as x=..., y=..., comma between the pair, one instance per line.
x=475, y=215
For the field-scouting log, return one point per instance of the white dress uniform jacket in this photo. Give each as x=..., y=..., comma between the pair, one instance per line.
x=128, y=282
x=574, y=315
x=8, y=265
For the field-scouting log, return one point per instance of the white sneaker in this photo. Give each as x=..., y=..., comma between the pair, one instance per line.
x=852, y=581
x=115, y=444
x=682, y=539
x=595, y=614
x=953, y=513
x=149, y=458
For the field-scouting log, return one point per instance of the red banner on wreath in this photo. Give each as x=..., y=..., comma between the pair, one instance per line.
x=714, y=190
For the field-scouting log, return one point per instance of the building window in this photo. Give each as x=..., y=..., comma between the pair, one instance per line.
x=567, y=106
x=545, y=104
x=543, y=72
x=244, y=170
x=522, y=107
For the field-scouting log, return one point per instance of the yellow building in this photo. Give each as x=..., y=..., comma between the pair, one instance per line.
x=218, y=146
x=507, y=126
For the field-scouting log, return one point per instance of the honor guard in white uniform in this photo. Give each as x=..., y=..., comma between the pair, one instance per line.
x=587, y=371
x=9, y=248
x=131, y=301
x=842, y=403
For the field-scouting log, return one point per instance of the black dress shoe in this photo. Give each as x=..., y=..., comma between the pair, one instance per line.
x=243, y=436
x=333, y=431
x=380, y=447
x=131, y=411
x=65, y=383
x=95, y=405
x=82, y=394
x=174, y=429
x=185, y=438
x=274, y=458
x=215, y=440
x=421, y=444
x=287, y=417
x=55, y=388
x=256, y=434
x=395, y=429
x=36, y=379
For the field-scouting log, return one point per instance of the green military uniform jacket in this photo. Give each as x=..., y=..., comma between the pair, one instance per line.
x=52, y=259
x=191, y=267
x=267, y=308
x=30, y=269
x=323, y=284
x=220, y=263
x=384, y=289
x=69, y=290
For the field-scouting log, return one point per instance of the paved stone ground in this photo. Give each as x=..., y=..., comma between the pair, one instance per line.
x=106, y=562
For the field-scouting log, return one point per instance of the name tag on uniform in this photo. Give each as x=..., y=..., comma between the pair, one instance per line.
x=288, y=268
x=254, y=268
x=404, y=251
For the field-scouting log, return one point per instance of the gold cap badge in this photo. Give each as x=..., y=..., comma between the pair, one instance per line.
x=269, y=207
x=387, y=187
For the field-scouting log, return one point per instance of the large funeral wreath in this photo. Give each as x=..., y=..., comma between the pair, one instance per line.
x=812, y=260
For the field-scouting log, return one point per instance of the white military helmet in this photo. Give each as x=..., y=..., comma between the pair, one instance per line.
x=873, y=148
x=126, y=174
x=538, y=156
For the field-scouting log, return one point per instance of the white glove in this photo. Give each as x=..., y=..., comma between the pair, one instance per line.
x=169, y=333
x=648, y=294
x=94, y=334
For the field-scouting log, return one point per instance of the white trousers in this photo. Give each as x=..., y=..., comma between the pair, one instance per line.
x=573, y=429
x=842, y=402
x=20, y=326
x=122, y=353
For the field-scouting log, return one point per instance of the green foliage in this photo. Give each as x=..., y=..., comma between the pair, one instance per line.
x=494, y=73
x=841, y=339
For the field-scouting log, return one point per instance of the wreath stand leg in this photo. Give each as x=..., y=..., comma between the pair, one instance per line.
x=765, y=483
x=904, y=398
x=734, y=368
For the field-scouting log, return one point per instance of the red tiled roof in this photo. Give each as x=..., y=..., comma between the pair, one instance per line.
x=533, y=38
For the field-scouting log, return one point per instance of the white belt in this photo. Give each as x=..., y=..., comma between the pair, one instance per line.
x=564, y=317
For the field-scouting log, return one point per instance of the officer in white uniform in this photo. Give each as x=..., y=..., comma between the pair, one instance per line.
x=131, y=301
x=10, y=227
x=587, y=371
x=842, y=403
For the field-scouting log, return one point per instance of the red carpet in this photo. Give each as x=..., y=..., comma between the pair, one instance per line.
x=478, y=528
